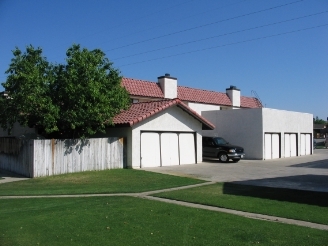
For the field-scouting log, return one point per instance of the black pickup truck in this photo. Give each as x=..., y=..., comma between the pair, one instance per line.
x=217, y=147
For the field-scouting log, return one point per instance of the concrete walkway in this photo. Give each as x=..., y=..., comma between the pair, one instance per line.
x=148, y=195
x=304, y=173
x=6, y=177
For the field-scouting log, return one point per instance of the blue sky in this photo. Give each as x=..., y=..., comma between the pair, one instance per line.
x=277, y=48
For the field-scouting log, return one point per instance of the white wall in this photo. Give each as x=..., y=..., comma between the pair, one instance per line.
x=172, y=119
x=246, y=127
x=282, y=121
x=199, y=107
x=242, y=127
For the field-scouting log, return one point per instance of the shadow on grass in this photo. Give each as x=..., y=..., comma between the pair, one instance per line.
x=275, y=193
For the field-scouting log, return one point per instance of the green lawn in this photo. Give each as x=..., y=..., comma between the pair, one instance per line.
x=300, y=205
x=108, y=181
x=134, y=221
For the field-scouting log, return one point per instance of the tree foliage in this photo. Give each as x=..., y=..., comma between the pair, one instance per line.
x=316, y=120
x=71, y=100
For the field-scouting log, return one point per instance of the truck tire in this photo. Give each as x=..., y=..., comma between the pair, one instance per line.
x=223, y=157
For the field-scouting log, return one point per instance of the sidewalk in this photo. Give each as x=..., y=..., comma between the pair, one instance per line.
x=304, y=173
x=148, y=195
x=6, y=176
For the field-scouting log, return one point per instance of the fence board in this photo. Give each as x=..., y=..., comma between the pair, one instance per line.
x=37, y=158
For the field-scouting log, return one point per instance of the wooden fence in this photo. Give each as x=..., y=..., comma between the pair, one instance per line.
x=37, y=158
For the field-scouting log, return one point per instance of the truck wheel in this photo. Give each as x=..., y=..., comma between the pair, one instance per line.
x=223, y=157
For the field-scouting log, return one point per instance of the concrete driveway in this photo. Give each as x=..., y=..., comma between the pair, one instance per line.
x=302, y=172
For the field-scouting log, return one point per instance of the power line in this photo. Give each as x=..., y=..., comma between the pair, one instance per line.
x=221, y=35
x=208, y=24
x=170, y=22
x=142, y=17
x=133, y=20
x=224, y=45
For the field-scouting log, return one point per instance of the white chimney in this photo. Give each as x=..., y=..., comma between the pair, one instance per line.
x=234, y=95
x=169, y=86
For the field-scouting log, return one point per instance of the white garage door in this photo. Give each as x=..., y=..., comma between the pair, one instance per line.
x=166, y=149
x=170, y=149
x=187, y=148
x=150, y=150
x=306, y=144
x=271, y=146
x=290, y=145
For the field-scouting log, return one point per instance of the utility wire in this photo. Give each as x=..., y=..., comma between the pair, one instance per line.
x=208, y=24
x=221, y=35
x=170, y=22
x=224, y=45
x=142, y=17
x=133, y=20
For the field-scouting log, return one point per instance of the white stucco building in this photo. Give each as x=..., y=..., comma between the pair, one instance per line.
x=166, y=122
x=263, y=132
x=160, y=133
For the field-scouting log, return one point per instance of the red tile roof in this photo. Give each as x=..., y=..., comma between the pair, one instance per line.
x=144, y=88
x=250, y=102
x=203, y=96
x=138, y=87
x=141, y=111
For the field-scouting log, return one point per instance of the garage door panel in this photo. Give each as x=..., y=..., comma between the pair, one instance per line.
x=287, y=145
x=267, y=145
x=290, y=145
x=275, y=146
x=187, y=148
x=272, y=146
x=150, y=150
x=170, y=149
x=303, y=145
x=293, y=145
x=306, y=144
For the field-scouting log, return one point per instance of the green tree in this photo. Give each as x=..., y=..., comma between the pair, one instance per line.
x=71, y=100
x=316, y=120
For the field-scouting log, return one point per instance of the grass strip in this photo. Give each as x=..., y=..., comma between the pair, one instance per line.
x=108, y=181
x=134, y=221
x=286, y=203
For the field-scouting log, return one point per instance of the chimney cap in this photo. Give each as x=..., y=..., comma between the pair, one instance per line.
x=167, y=75
x=232, y=87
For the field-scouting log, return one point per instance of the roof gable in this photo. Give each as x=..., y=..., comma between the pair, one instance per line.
x=141, y=111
